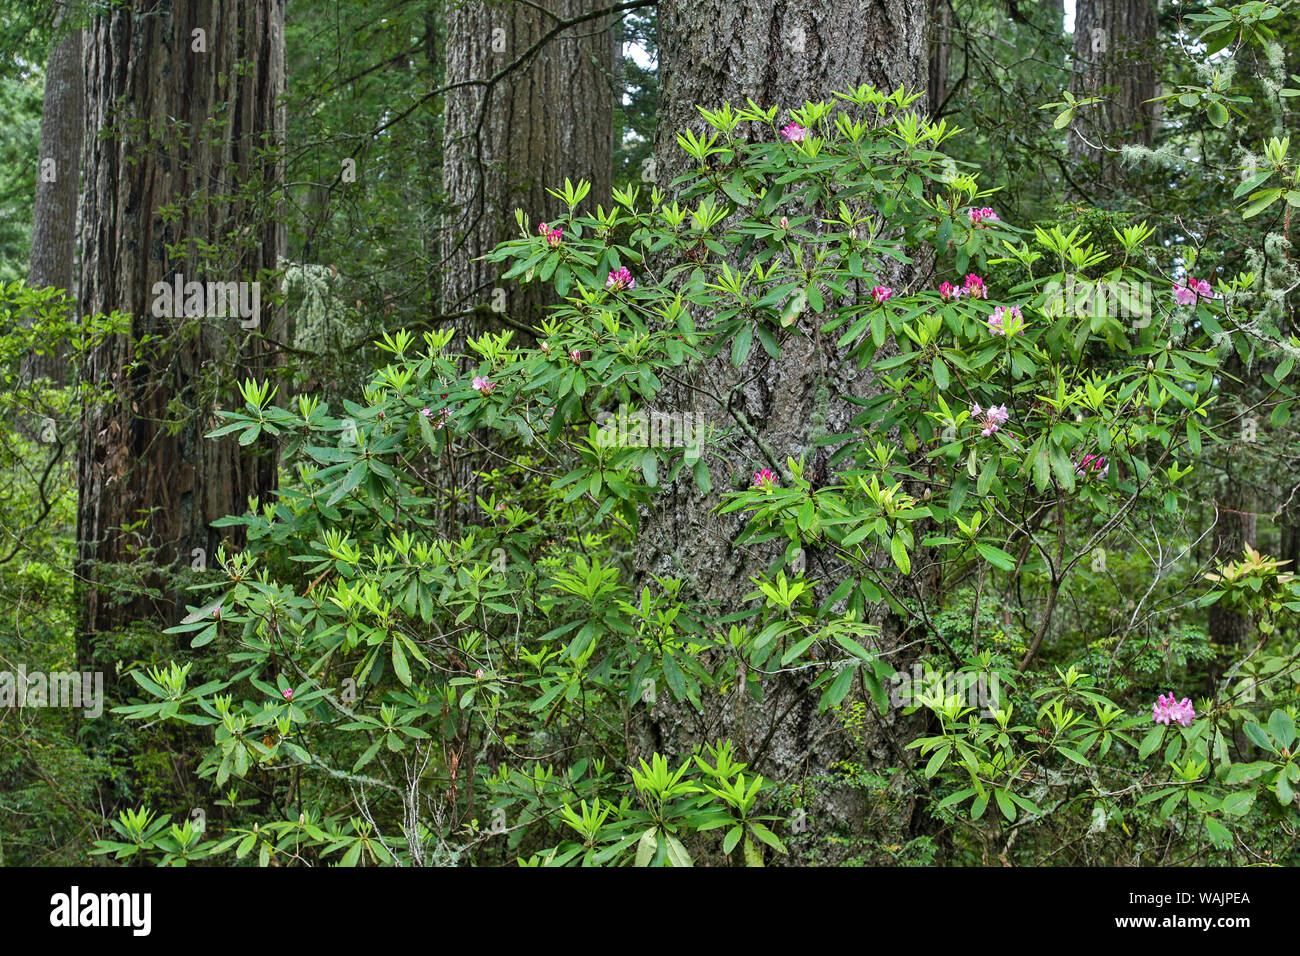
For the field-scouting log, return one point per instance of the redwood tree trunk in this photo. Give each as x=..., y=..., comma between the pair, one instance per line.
x=182, y=173
x=1114, y=53
x=549, y=119
x=54, y=227
x=720, y=51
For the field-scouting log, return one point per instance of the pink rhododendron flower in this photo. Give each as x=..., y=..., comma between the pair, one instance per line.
x=975, y=287
x=764, y=479
x=1166, y=709
x=543, y=229
x=949, y=292
x=794, y=133
x=478, y=674
x=620, y=279
x=784, y=223
x=978, y=217
x=1187, y=293
x=991, y=419
x=575, y=356
x=1093, y=465
x=481, y=384
x=555, y=237
x=881, y=293
x=997, y=321
x=287, y=693
x=426, y=412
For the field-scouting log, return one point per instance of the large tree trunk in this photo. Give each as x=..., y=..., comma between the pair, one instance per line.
x=940, y=34
x=547, y=119
x=54, y=228
x=182, y=152
x=1234, y=529
x=720, y=51
x=1114, y=54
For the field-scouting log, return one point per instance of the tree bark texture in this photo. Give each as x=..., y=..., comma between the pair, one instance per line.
x=183, y=175
x=1114, y=59
x=538, y=108
x=777, y=53
x=54, y=226
x=507, y=141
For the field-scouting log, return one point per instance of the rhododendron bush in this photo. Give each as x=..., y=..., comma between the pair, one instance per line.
x=408, y=671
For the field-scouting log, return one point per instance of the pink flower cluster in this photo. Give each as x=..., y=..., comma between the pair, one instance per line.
x=1093, y=465
x=992, y=418
x=997, y=321
x=480, y=384
x=978, y=217
x=443, y=417
x=1187, y=293
x=553, y=236
x=764, y=479
x=973, y=287
x=881, y=293
x=1166, y=709
x=620, y=278
x=794, y=133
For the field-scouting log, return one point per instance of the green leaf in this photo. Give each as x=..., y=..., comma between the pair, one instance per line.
x=1219, y=834
x=1151, y=741
x=899, y=552
x=646, y=847
x=740, y=346
x=1261, y=201
x=400, y=667
x=940, y=373
x=1042, y=469
x=650, y=467
x=1238, y=804
x=1257, y=734
x=1005, y=805
x=677, y=854
x=1282, y=727
x=995, y=556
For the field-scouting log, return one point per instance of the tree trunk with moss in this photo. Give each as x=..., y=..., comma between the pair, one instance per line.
x=1115, y=57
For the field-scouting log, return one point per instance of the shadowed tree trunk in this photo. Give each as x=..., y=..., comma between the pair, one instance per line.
x=54, y=227
x=183, y=125
x=548, y=119
x=1114, y=54
x=1233, y=530
x=777, y=53
x=940, y=33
